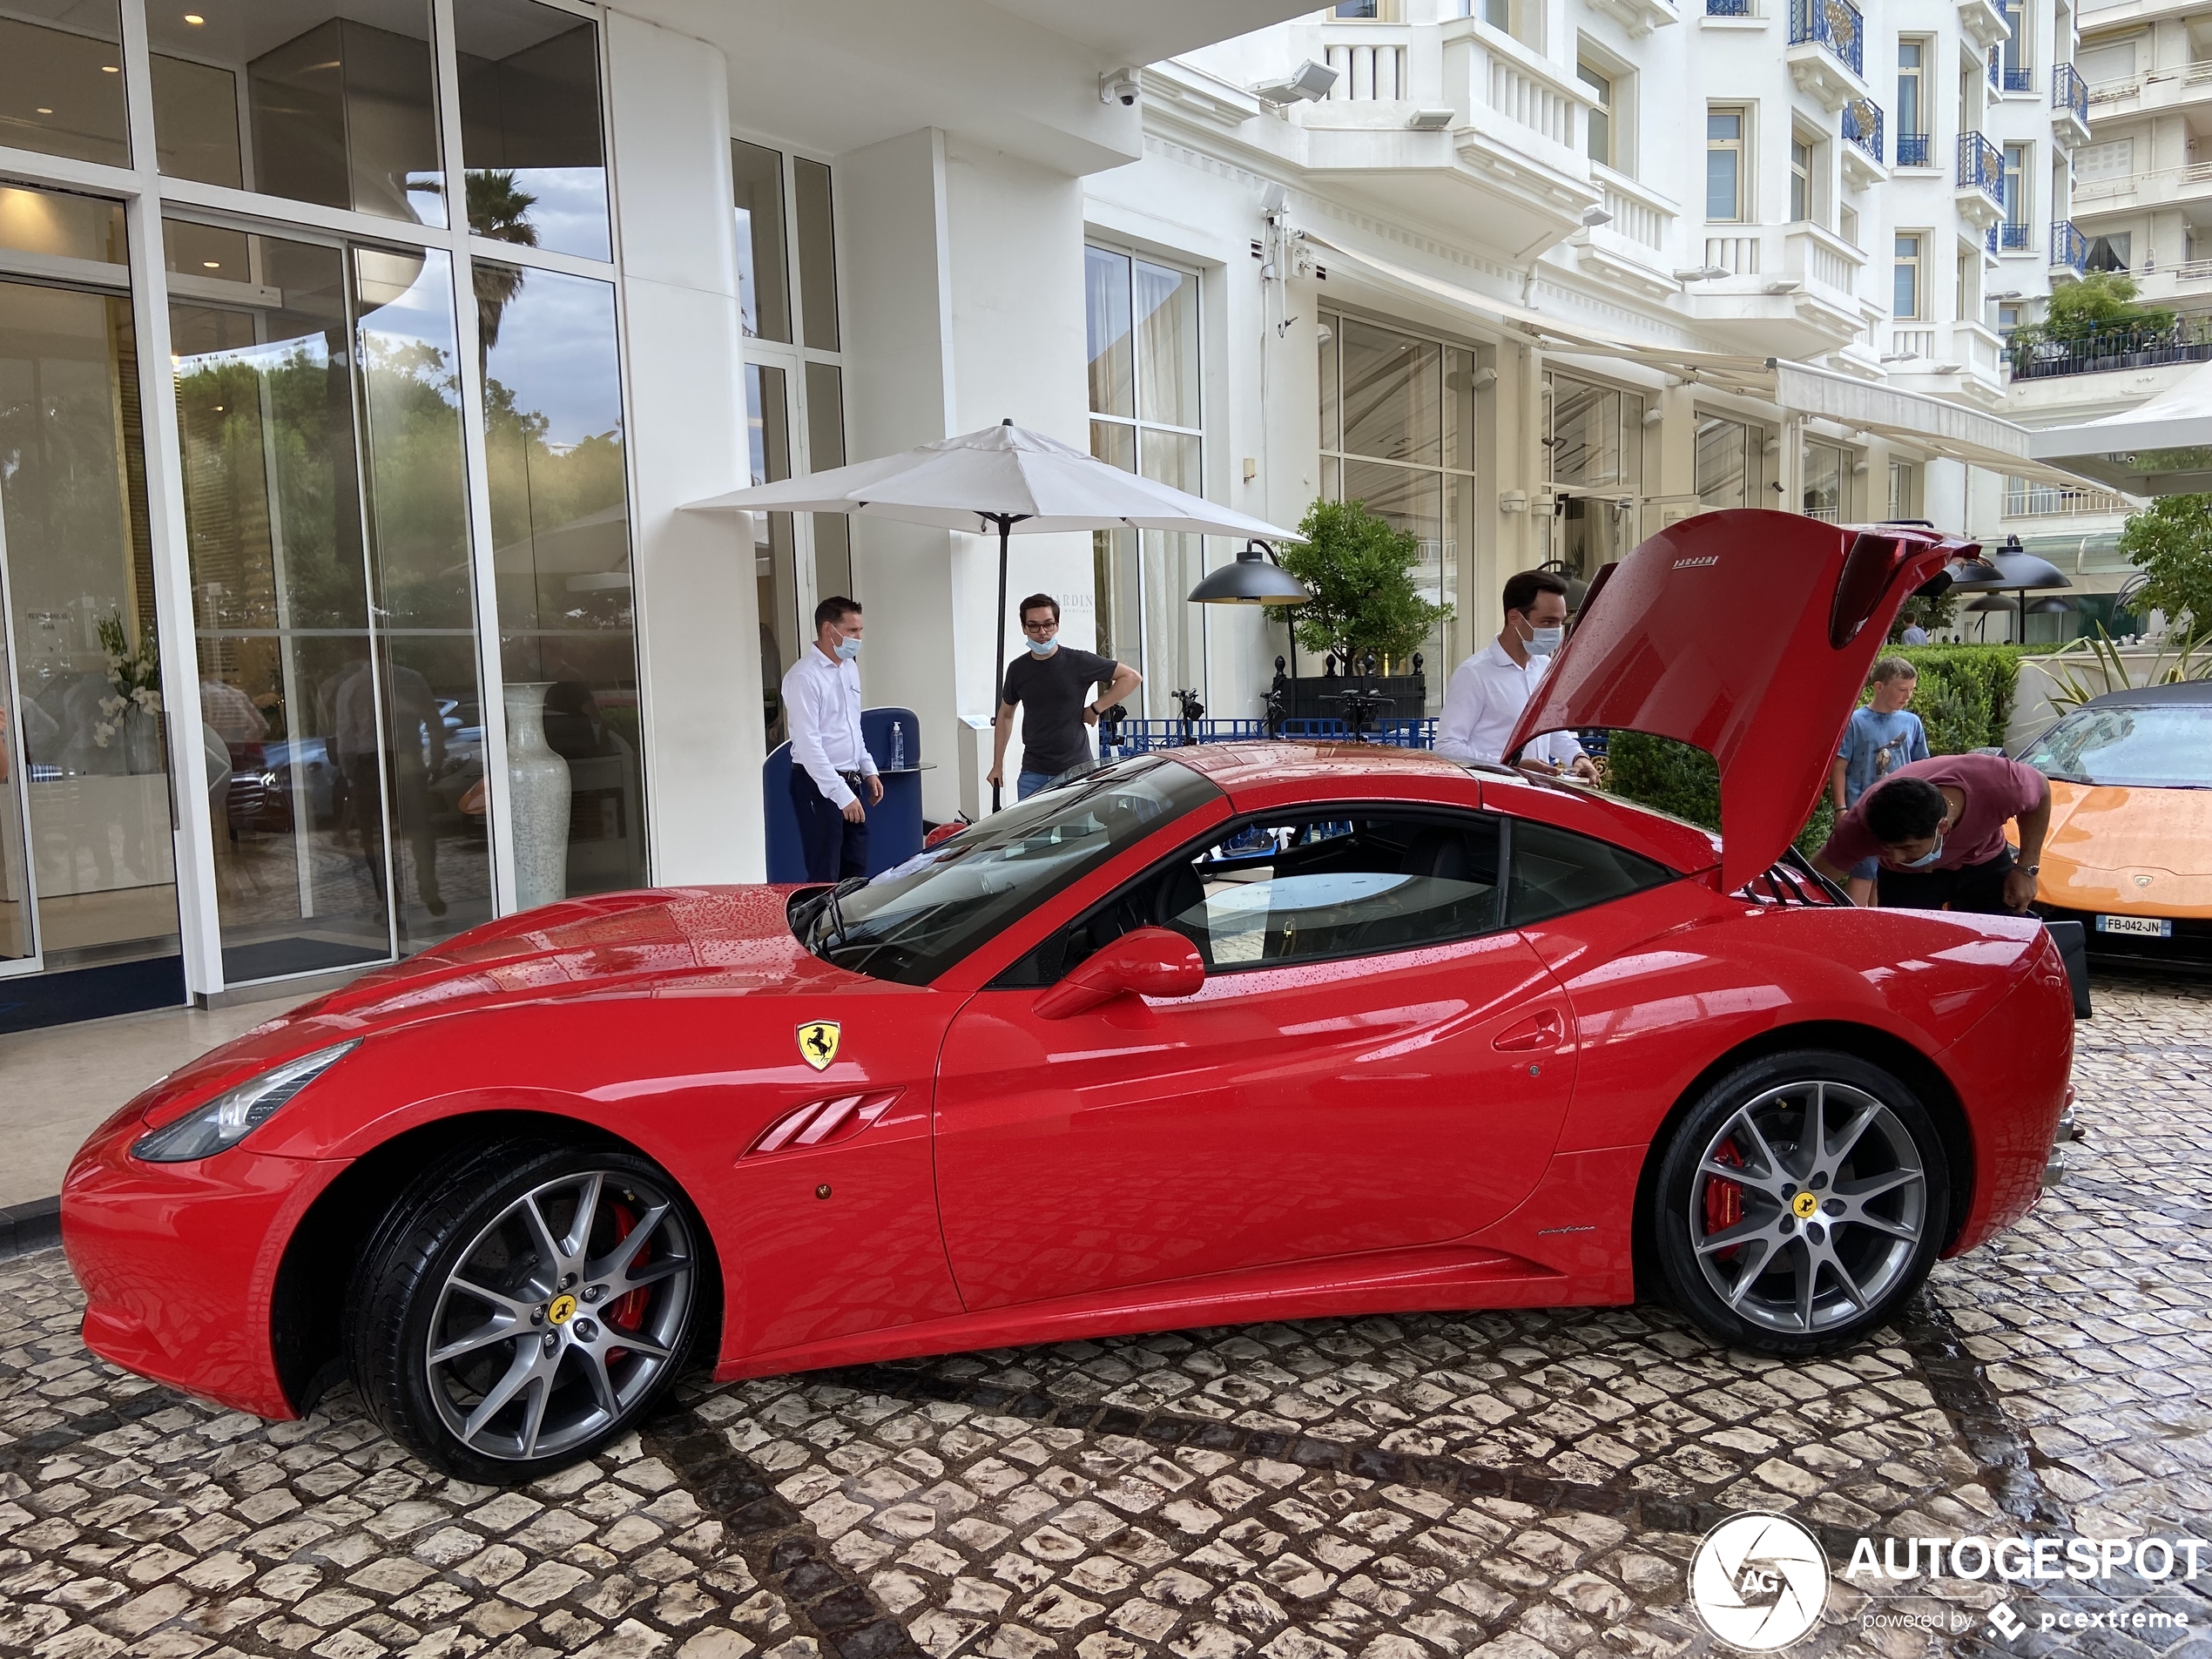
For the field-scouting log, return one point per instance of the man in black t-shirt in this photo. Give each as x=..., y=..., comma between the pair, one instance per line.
x=1052, y=683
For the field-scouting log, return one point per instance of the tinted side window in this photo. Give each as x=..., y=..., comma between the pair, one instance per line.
x=1556, y=871
x=1303, y=887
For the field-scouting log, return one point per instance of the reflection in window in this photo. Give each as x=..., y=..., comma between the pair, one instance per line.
x=1399, y=412
x=1141, y=320
x=764, y=290
x=70, y=227
x=61, y=81
x=560, y=528
x=1826, y=477
x=340, y=99
x=327, y=530
x=1597, y=451
x=817, y=240
x=1728, y=463
x=85, y=826
x=1556, y=871
x=775, y=559
x=530, y=141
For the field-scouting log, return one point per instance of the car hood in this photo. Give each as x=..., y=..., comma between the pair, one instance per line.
x=2115, y=847
x=1749, y=634
x=664, y=941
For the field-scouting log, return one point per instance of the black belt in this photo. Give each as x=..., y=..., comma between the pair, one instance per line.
x=851, y=780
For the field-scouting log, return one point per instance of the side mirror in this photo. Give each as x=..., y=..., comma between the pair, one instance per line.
x=1148, y=962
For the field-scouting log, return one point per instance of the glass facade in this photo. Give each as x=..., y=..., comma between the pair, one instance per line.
x=1141, y=322
x=1398, y=432
x=404, y=476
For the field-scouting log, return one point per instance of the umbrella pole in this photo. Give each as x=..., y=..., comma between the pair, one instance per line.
x=998, y=663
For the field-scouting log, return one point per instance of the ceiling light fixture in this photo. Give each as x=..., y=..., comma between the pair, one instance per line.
x=43, y=110
x=111, y=68
x=194, y=19
x=213, y=265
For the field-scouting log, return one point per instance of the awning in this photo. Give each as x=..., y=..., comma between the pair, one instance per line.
x=2162, y=448
x=1948, y=429
x=1541, y=327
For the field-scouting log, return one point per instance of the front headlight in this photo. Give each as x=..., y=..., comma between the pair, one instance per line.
x=236, y=1113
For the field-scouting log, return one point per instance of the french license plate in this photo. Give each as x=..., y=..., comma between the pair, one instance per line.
x=2148, y=926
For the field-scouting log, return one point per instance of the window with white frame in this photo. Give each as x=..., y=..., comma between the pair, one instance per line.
x=1907, y=295
x=1141, y=321
x=1823, y=480
x=1598, y=123
x=1725, y=151
x=1904, y=491
x=1730, y=457
x=1912, y=104
x=1802, y=178
x=794, y=393
x=1595, y=455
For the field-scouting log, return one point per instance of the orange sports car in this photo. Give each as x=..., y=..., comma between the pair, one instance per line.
x=2129, y=854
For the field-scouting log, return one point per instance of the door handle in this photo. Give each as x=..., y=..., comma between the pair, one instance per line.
x=1542, y=1029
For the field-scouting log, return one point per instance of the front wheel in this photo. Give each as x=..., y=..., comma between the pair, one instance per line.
x=1800, y=1201
x=523, y=1305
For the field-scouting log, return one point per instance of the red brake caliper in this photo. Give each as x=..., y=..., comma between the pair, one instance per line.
x=1723, y=1200
x=626, y=1312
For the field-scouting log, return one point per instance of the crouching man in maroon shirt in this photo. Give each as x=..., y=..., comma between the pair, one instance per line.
x=1938, y=828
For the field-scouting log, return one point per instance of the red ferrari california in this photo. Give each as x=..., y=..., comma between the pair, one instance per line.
x=1240, y=1031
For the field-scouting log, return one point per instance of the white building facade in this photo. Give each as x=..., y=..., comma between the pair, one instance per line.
x=362, y=357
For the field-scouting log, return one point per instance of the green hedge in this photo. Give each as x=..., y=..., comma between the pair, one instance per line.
x=1965, y=699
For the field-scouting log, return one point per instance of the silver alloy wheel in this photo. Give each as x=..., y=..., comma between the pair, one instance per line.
x=1807, y=1206
x=560, y=1315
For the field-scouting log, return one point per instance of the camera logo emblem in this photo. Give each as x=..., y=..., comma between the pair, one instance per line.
x=1759, y=1581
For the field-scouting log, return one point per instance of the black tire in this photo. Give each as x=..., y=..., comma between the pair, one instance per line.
x=542, y=1310
x=1880, y=1192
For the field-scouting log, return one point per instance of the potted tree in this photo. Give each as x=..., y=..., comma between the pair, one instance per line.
x=1359, y=569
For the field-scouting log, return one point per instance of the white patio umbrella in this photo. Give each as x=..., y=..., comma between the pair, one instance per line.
x=1006, y=478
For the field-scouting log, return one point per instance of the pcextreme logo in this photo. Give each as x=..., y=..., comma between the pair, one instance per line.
x=1759, y=1581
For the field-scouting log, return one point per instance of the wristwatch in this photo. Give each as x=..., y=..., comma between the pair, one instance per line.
x=2029, y=869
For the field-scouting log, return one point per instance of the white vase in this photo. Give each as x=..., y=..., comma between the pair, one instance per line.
x=537, y=797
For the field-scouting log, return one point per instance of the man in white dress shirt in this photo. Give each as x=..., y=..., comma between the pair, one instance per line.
x=830, y=764
x=1490, y=689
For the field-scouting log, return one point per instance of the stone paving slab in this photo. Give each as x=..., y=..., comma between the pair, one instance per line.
x=1515, y=1486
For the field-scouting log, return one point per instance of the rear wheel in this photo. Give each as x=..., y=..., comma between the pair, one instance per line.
x=1800, y=1201
x=523, y=1305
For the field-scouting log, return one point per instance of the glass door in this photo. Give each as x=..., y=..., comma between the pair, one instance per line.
x=87, y=874
x=326, y=517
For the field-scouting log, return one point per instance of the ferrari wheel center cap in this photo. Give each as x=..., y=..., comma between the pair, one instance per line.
x=562, y=1309
x=1805, y=1207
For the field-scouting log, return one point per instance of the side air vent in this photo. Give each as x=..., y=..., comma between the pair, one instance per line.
x=822, y=1123
x=1793, y=882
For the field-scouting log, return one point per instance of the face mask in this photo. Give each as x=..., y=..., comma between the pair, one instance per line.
x=1925, y=858
x=848, y=649
x=1545, y=641
x=1042, y=647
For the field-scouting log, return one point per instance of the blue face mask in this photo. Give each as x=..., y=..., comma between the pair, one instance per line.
x=1925, y=858
x=1545, y=641
x=847, y=650
x=1042, y=647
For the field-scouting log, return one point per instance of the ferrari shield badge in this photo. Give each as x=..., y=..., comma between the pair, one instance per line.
x=818, y=1042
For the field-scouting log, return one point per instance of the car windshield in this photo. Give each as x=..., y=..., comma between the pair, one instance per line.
x=2166, y=746
x=914, y=921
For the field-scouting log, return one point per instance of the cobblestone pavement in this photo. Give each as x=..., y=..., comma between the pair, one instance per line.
x=1516, y=1486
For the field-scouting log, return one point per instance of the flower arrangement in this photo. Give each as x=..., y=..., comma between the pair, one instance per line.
x=134, y=671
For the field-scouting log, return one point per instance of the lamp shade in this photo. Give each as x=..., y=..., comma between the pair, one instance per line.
x=1253, y=579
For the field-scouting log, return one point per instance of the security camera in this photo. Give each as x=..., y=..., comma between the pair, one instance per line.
x=1118, y=86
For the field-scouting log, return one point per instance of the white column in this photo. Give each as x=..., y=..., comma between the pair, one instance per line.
x=698, y=625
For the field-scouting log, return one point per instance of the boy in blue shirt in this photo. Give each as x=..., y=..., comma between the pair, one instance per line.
x=1882, y=736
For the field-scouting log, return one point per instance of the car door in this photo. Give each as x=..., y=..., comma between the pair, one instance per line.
x=1375, y=1062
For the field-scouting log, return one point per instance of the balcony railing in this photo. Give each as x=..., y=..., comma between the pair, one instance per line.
x=1834, y=23
x=1729, y=8
x=2023, y=499
x=2020, y=80
x=1996, y=74
x=2011, y=238
x=1368, y=70
x=2098, y=351
x=2069, y=248
x=1863, y=125
x=1980, y=165
x=2070, y=91
x=1912, y=149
